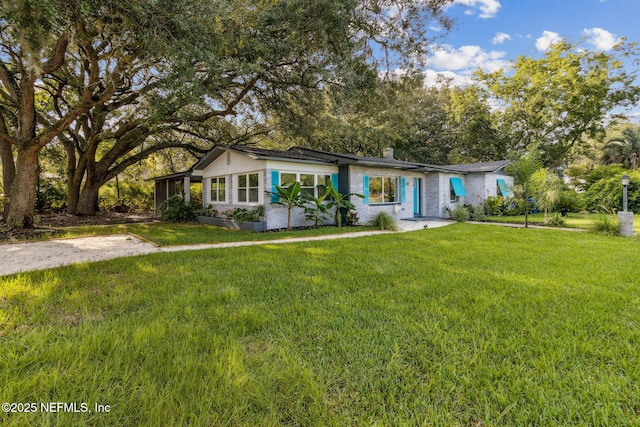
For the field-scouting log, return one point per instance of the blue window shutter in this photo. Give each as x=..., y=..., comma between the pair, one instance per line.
x=275, y=180
x=334, y=180
x=365, y=190
x=504, y=188
x=403, y=192
x=458, y=188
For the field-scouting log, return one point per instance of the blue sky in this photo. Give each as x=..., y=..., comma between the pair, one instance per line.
x=490, y=33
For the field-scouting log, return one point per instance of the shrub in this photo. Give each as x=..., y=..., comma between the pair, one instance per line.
x=476, y=212
x=555, y=220
x=605, y=224
x=459, y=213
x=606, y=194
x=570, y=201
x=174, y=210
x=494, y=205
x=351, y=218
x=51, y=196
x=384, y=221
x=134, y=195
x=245, y=215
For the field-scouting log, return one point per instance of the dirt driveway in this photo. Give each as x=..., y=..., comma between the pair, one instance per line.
x=28, y=256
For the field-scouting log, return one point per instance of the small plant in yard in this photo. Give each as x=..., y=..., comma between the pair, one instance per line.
x=459, y=213
x=174, y=209
x=555, y=220
x=384, y=221
x=476, y=212
x=352, y=218
x=605, y=224
x=315, y=208
x=289, y=197
x=248, y=215
x=340, y=201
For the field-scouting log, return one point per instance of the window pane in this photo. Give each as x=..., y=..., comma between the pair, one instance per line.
x=375, y=190
x=390, y=189
x=242, y=195
x=242, y=181
x=253, y=180
x=253, y=195
x=221, y=195
x=286, y=179
x=221, y=182
x=322, y=180
x=306, y=180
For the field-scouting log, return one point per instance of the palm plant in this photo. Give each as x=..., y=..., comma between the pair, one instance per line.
x=547, y=190
x=522, y=171
x=624, y=149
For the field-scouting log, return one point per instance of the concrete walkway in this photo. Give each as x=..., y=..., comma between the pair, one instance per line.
x=29, y=256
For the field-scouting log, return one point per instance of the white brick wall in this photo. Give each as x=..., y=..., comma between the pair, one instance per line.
x=396, y=210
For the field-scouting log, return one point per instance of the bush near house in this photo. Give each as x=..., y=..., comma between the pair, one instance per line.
x=136, y=196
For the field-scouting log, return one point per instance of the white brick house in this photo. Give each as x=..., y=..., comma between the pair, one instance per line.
x=242, y=177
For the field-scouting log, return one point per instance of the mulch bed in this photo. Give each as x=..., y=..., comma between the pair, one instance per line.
x=51, y=225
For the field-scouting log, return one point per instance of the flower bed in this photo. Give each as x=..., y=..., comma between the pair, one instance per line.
x=234, y=224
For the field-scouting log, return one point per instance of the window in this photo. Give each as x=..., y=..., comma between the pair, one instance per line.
x=218, y=189
x=456, y=190
x=248, y=188
x=308, y=181
x=503, y=188
x=383, y=189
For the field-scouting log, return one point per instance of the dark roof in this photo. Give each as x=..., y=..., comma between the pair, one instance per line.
x=176, y=176
x=478, y=167
x=310, y=155
x=350, y=159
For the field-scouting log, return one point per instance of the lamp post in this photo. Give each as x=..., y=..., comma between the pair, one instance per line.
x=625, y=218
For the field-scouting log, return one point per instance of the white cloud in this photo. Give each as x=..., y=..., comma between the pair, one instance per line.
x=547, y=40
x=501, y=38
x=438, y=78
x=488, y=8
x=600, y=39
x=467, y=58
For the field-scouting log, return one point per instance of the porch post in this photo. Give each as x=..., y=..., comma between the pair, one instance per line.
x=187, y=189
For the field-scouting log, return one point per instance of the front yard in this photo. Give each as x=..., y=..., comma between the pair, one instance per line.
x=461, y=325
x=572, y=220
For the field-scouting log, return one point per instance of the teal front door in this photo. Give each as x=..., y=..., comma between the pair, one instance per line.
x=417, y=183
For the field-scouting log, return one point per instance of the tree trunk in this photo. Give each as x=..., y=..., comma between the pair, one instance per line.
x=23, y=190
x=88, y=201
x=8, y=172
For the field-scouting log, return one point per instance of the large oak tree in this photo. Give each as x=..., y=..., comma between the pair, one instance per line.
x=118, y=80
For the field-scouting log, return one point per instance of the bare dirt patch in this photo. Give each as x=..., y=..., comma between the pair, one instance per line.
x=52, y=225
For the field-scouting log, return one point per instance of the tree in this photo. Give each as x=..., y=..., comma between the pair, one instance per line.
x=471, y=120
x=137, y=69
x=392, y=111
x=523, y=171
x=547, y=189
x=560, y=99
x=624, y=149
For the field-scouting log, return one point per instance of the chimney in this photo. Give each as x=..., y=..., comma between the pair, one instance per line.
x=387, y=153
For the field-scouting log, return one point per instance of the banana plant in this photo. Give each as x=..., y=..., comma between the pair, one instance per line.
x=289, y=197
x=340, y=201
x=315, y=208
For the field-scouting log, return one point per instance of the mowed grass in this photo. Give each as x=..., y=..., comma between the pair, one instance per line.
x=460, y=325
x=167, y=233
x=572, y=220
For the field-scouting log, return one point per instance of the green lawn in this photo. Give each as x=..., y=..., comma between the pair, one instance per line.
x=460, y=325
x=572, y=220
x=167, y=233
